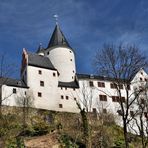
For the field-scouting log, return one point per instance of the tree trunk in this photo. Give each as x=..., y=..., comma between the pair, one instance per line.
x=86, y=128
x=0, y=108
x=125, y=134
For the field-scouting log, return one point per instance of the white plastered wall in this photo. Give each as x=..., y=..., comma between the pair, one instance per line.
x=64, y=61
x=49, y=95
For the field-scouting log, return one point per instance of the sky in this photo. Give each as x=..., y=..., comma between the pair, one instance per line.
x=87, y=25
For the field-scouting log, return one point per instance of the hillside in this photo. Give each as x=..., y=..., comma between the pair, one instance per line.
x=45, y=129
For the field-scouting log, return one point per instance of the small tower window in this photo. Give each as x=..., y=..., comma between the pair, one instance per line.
x=54, y=74
x=40, y=72
x=14, y=90
x=140, y=79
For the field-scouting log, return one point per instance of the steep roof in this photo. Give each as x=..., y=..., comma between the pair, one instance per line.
x=39, y=61
x=73, y=84
x=101, y=78
x=12, y=82
x=58, y=38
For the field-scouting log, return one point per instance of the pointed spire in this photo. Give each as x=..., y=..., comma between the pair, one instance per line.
x=58, y=38
x=40, y=48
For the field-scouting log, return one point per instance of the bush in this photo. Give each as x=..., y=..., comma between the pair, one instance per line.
x=67, y=141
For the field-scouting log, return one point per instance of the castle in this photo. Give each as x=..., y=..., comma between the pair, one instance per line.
x=49, y=77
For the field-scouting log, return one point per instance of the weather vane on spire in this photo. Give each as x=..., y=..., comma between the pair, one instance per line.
x=56, y=18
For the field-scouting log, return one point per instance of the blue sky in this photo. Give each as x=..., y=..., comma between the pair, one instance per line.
x=87, y=25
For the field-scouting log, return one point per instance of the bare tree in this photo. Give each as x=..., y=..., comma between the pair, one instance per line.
x=84, y=103
x=25, y=100
x=140, y=120
x=6, y=70
x=121, y=63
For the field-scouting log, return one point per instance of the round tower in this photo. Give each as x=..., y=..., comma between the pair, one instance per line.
x=61, y=55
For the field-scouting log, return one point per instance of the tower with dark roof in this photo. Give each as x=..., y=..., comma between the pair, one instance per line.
x=61, y=55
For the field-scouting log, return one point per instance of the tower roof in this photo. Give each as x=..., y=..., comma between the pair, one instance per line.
x=58, y=38
x=40, y=48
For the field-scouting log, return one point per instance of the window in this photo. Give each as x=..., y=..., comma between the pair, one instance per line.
x=132, y=113
x=72, y=77
x=119, y=112
x=14, y=90
x=113, y=85
x=117, y=99
x=91, y=84
x=101, y=84
x=145, y=114
x=40, y=72
x=140, y=79
x=25, y=93
x=60, y=106
x=65, y=88
x=73, y=71
x=39, y=94
x=61, y=88
x=145, y=80
x=75, y=99
x=41, y=83
x=67, y=97
x=48, y=53
x=141, y=73
x=104, y=111
x=123, y=99
x=62, y=97
x=103, y=97
x=54, y=74
x=74, y=89
x=142, y=101
x=120, y=86
x=94, y=110
x=70, y=59
x=128, y=87
x=70, y=51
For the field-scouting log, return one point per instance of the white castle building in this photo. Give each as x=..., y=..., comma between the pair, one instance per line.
x=49, y=76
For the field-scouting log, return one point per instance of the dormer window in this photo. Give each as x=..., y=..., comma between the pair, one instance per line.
x=39, y=72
